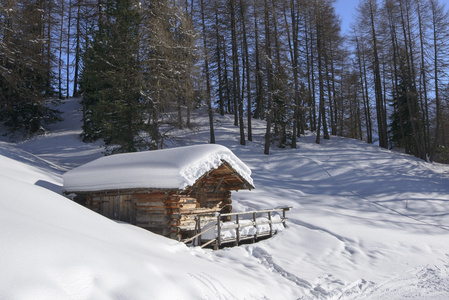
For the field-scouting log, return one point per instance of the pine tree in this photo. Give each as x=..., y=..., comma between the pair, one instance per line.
x=401, y=133
x=168, y=54
x=26, y=72
x=111, y=81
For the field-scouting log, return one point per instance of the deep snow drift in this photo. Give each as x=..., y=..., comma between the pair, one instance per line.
x=366, y=223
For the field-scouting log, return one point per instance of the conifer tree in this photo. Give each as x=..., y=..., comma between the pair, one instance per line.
x=26, y=67
x=168, y=54
x=111, y=82
x=401, y=133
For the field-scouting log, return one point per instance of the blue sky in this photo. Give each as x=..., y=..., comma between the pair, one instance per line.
x=345, y=9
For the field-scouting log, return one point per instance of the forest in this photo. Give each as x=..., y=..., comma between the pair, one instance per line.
x=143, y=67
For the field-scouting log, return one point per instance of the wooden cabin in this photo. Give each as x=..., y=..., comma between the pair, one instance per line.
x=161, y=190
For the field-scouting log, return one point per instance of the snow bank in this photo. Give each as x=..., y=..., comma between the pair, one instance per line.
x=174, y=168
x=366, y=223
x=16, y=164
x=53, y=248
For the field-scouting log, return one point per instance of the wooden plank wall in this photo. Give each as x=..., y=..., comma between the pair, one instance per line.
x=151, y=212
x=114, y=206
x=147, y=209
x=169, y=212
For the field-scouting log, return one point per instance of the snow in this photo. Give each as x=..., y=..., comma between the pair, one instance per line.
x=366, y=223
x=228, y=230
x=174, y=168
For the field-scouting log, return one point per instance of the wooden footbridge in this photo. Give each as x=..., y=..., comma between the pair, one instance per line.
x=232, y=229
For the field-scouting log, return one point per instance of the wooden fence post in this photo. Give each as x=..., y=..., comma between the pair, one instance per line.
x=198, y=226
x=270, y=223
x=283, y=217
x=238, y=229
x=255, y=227
x=218, y=232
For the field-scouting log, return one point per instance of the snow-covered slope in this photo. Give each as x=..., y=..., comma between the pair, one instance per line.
x=365, y=223
x=53, y=248
x=360, y=215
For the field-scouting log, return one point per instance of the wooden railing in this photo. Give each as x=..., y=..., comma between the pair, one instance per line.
x=196, y=239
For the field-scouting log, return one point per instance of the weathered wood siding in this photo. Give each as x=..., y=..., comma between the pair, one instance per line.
x=170, y=212
x=114, y=206
x=151, y=211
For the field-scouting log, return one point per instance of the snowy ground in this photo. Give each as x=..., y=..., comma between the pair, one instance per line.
x=366, y=223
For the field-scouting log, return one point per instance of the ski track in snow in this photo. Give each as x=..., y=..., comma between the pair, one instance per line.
x=267, y=261
x=209, y=282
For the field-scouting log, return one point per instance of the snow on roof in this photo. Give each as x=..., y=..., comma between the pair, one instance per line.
x=175, y=168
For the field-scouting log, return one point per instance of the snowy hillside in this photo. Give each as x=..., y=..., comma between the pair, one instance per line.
x=366, y=223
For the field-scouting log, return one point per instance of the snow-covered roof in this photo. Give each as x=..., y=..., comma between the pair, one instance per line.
x=175, y=168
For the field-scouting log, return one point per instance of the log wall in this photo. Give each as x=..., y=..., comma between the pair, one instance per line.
x=163, y=212
x=170, y=212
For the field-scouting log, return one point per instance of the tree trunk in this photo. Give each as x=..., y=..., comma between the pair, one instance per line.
x=77, y=51
x=238, y=103
x=219, y=69
x=208, y=88
x=269, y=69
x=61, y=35
x=258, y=72
x=69, y=28
x=247, y=66
x=293, y=43
x=381, y=116
x=435, y=11
x=321, y=109
x=364, y=91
